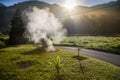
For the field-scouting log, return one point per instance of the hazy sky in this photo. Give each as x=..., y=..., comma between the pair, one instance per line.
x=61, y=2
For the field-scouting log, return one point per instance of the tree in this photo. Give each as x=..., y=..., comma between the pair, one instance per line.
x=17, y=30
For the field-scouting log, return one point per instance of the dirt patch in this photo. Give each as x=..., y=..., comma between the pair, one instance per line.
x=25, y=64
x=79, y=57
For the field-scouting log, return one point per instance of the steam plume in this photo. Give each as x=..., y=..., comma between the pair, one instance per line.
x=43, y=25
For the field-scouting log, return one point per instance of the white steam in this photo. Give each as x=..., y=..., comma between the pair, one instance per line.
x=42, y=24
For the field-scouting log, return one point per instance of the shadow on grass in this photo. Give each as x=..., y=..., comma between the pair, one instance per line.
x=2, y=51
x=12, y=46
x=36, y=51
x=82, y=68
x=79, y=57
x=8, y=46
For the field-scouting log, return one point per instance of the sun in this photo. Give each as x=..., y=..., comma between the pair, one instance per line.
x=70, y=4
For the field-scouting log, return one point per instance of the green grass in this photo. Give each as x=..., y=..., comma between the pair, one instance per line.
x=14, y=58
x=108, y=44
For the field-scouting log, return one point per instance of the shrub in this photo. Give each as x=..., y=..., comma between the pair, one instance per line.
x=57, y=64
x=2, y=44
x=1, y=34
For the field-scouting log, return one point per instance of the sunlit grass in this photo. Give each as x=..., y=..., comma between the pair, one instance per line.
x=109, y=44
x=28, y=62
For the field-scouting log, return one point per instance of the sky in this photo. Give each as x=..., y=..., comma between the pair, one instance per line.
x=61, y=2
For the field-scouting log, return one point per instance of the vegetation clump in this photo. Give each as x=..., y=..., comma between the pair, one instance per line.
x=3, y=40
x=57, y=64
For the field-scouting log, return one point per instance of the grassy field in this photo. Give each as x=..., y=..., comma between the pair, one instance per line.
x=108, y=44
x=29, y=62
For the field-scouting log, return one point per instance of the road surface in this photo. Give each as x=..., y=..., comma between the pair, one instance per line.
x=107, y=57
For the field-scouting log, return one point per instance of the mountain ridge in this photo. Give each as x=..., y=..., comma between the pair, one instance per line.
x=6, y=14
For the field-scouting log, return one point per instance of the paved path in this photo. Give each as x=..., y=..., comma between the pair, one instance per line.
x=108, y=57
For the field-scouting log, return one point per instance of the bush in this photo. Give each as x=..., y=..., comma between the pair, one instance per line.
x=2, y=44
x=1, y=34
x=2, y=41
